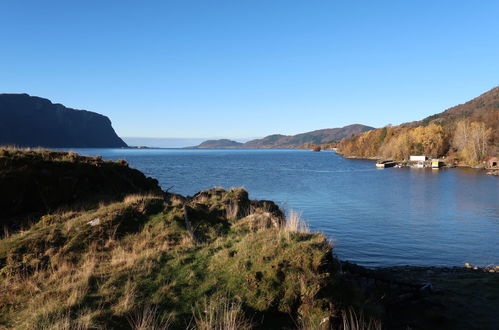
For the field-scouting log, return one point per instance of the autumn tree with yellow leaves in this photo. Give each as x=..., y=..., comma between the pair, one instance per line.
x=468, y=133
x=471, y=140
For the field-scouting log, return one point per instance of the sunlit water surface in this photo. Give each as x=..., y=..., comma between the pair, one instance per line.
x=375, y=217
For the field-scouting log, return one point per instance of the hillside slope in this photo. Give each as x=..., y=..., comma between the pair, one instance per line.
x=466, y=134
x=482, y=108
x=321, y=136
x=29, y=121
x=36, y=182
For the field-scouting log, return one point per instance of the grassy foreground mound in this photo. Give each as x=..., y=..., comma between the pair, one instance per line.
x=150, y=259
x=139, y=264
x=35, y=182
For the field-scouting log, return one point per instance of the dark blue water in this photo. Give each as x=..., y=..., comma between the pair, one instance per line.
x=375, y=217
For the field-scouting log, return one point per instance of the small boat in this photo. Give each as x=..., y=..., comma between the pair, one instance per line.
x=385, y=163
x=435, y=163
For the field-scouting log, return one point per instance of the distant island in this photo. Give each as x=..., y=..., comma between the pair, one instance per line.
x=317, y=137
x=30, y=121
x=222, y=143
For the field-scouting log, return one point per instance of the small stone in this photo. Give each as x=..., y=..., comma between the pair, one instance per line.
x=426, y=288
x=94, y=222
x=324, y=320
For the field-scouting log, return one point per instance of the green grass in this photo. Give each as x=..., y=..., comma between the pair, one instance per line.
x=138, y=257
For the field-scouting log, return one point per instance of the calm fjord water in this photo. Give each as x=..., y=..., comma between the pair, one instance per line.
x=375, y=217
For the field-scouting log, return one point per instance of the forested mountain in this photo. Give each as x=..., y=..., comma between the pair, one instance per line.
x=467, y=133
x=321, y=136
x=29, y=121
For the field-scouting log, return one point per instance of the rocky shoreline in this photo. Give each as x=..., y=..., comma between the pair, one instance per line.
x=402, y=164
x=428, y=297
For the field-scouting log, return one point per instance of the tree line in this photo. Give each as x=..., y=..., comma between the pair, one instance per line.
x=465, y=140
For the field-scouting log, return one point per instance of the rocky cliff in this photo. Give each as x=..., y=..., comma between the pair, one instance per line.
x=30, y=121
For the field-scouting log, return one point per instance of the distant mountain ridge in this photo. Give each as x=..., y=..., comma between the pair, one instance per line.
x=321, y=136
x=30, y=121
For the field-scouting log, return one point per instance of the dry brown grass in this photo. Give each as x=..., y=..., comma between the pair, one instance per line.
x=220, y=313
x=78, y=284
x=138, y=257
x=176, y=200
x=16, y=148
x=258, y=221
x=134, y=198
x=45, y=154
x=49, y=292
x=357, y=321
x=127, y=300
x=322, y=324
x=232, y=209
x=202, y=199
x=148, y=318
x=52, y=308
x=140, y=251
x=295, y=223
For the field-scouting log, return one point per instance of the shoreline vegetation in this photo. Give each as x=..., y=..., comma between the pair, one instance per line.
x=93, y=244
x=465, y=135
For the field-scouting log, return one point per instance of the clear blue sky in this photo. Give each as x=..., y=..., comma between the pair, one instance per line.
x=249, y=68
